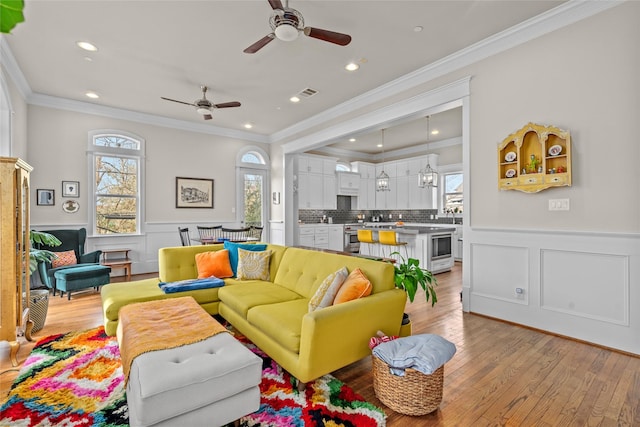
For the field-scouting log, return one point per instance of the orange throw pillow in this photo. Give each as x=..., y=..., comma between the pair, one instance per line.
x=64, y=258
x=356, y=286
x=214, y=264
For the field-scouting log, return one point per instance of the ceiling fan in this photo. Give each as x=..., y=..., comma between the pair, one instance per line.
x=286, y=23
x=204, y=106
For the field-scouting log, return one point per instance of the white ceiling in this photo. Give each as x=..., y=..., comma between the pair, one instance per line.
x=149, y=49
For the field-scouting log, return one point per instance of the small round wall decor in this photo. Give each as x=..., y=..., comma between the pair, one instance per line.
x=70, y=206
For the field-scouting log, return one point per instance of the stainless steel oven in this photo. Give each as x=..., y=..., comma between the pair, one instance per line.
x=351, y=242
x=439, y=252
x=441, y=246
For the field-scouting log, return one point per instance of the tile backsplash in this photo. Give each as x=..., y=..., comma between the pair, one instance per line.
x=348, y=216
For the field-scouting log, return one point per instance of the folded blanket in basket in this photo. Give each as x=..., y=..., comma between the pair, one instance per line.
x=425, y=353
x=190, y=285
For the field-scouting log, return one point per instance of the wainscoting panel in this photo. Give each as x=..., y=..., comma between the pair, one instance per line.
x=591, y=285
x=583, y=285
x=500, y=283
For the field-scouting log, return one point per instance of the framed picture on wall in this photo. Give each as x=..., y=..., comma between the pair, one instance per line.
x=45, y=197
x=70, y=189
x=194, y=193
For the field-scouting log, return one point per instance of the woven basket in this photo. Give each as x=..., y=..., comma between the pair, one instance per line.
x=413, y=394
x=38, y=307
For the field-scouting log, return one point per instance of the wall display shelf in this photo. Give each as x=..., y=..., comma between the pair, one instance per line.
x=535, y=158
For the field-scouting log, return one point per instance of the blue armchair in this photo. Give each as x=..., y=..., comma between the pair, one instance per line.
x=71, y=240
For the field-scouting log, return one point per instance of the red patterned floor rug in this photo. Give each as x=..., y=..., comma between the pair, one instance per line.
x=75, y=379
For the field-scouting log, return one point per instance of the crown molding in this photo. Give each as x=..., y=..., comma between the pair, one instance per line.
x=11, y=65
x=565, y=14
x=134, y=116
x=415, y=150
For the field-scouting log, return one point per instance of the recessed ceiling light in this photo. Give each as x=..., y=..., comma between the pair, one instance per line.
x=435, y=132
x=92, y=95
x=379, y=145
x=248, y=125
x=87, y=46
x=418, y=28
x=351, y=66
x=294, y=99
x=352, y=140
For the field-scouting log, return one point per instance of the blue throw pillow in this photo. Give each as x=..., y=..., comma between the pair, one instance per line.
x=233, y=252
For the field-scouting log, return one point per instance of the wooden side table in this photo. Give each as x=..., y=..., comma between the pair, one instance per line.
x=117, y=258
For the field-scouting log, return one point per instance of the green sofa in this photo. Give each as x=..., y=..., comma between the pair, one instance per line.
x=274, y=314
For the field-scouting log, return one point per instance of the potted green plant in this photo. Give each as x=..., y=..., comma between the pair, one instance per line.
x=41, y=255
x=408, y=276
x=39, y=298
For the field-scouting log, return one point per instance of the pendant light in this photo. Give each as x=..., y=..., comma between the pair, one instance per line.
x=382, y=180
x=427, y=177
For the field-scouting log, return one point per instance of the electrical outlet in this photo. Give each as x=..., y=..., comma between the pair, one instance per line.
x=558, y=204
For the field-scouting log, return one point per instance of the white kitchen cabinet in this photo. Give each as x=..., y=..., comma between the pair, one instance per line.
x=336, y=237
x=348, y=183
x=367, y=189
x=315, y=236
x=329, y=199
x=310, y=191
x=316, y=182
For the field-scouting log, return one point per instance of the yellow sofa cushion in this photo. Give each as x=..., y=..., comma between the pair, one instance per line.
x=303, y=271
x=281, y=321
x=241, y=296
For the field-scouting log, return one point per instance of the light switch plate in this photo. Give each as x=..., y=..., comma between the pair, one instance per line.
x=558, y=204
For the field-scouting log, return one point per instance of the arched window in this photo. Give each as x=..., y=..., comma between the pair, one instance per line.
x=253, y=157
x=115, y=165
x=342, y=167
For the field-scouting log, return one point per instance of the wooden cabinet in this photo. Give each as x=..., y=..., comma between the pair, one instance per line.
x=14, y=252
x=535, y=158
x=336, y=237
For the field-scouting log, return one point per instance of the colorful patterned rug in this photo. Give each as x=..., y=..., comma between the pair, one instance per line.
x=76, y=379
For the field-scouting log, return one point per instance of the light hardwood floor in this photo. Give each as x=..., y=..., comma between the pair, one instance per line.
x=502, y=374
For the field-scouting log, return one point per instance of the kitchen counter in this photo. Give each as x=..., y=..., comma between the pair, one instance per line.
x=409, y=229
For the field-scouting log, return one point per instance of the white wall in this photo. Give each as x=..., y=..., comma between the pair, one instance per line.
x=580, y=269
x=57, y=150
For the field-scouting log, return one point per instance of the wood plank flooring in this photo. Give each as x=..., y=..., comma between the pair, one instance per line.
x=501, y=375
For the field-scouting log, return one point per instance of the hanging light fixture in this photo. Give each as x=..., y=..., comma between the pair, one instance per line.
x=382, y=180
x=427, y=177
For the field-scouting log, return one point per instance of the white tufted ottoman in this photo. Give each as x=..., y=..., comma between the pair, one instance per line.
x=208, y=383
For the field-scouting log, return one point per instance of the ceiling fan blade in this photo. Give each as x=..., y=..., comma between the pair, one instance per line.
x=260, y=44
x=227, y=104
x=276, y=4
x=181, y=102
x=328, y=36
x=207, y=116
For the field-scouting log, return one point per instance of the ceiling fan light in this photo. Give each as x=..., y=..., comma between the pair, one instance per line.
x=286, y=32
x=203, y=111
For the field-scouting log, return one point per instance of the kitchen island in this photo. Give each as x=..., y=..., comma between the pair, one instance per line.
x=431, y=245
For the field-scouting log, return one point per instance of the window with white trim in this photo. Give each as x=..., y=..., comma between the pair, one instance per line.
x=115, y=165
x=452, y=196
